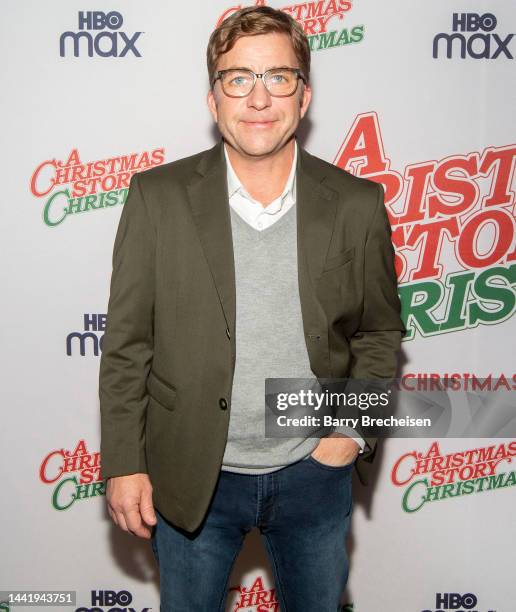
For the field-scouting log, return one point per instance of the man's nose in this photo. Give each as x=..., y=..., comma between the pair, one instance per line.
x=259, y=98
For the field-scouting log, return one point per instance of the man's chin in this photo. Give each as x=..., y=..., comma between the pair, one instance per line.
x=259, y=149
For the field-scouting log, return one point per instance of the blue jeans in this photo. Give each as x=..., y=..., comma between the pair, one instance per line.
x=303, y=512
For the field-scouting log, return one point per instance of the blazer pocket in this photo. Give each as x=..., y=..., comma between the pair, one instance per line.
x=338, y=260
x=161, y=392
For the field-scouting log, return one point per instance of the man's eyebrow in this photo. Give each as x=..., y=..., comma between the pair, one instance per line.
x=246, y=68
x=237, y=68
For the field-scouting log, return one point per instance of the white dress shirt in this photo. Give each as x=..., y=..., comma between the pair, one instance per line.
x=253, y=212
x=261, y=217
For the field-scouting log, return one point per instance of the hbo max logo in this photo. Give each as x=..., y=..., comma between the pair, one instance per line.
x=473, y=36
x=455, y=602
x=115, y=601
x=99, y=35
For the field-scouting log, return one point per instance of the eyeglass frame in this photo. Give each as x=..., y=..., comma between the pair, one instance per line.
x=297, y=71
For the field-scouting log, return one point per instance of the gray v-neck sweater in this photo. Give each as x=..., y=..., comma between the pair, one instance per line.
x=270, y=342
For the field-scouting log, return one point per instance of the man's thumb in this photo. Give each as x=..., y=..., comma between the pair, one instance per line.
x=147, y=509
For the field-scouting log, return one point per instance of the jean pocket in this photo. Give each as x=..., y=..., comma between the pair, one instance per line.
x=332, y=468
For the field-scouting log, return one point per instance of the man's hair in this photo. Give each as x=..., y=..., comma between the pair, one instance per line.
x=252, y=21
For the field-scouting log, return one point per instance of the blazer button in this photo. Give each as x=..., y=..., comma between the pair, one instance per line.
x=227, y=333
x=223, y=403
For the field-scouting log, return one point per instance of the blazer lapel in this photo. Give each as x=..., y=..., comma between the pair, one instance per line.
x=208, y=195
x=316, y=210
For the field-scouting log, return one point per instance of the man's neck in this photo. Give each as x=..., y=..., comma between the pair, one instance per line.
x=263, y=178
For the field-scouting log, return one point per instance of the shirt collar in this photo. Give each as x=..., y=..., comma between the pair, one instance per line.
x=235, y=185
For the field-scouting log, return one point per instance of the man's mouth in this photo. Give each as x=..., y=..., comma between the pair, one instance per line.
x=259, y=124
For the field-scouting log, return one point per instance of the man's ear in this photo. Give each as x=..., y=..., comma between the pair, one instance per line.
x=212, y=105
x=304, y=101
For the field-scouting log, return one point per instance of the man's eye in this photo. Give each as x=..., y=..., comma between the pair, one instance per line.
x=239, y=80
x=277, y=78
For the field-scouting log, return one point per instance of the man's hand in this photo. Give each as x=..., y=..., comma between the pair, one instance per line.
x=129, y=500
x=336, y=449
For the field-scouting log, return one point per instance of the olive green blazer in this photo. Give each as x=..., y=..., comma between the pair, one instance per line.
x=168, y=352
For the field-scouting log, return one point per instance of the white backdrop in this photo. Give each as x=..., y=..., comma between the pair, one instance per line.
x=383, y=107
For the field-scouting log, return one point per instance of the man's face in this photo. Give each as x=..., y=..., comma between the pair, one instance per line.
x=259, y=124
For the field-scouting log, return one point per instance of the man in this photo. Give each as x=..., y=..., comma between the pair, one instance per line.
x=250, y=260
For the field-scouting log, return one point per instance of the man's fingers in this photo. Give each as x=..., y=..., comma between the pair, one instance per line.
x=112, y=514
x=121, y=521
x=131, y=522
x=147, y=508
x=135, y=525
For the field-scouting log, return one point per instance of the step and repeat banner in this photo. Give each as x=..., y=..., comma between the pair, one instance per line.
x=417, y=96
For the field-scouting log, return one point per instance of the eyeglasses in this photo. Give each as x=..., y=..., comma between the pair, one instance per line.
x=240, y=82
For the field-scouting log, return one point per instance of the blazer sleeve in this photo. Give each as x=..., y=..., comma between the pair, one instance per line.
x=375, y=345
x=127, y=347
